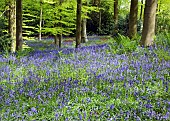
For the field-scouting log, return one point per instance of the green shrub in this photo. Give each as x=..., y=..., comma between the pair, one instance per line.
x=5, y=43
x=163, y=39
x=123, y=44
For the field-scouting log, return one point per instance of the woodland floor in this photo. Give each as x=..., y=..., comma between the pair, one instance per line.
x=96, y=82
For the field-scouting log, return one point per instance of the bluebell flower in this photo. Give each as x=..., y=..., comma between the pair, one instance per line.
x=166, y=116
x=56, y=115
x=112, y=107
x=148, y=106
x=34, y=110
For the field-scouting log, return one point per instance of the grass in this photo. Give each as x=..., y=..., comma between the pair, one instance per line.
x=90, y=83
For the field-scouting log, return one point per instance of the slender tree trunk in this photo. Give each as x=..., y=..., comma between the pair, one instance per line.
x=56, y=42
x=19, y=40
x=78, y=23
x=159, y=9
x=60, y=25
x=115, y=18
x=55, y=39
x=100, y=18
x=40, y=29
x=83, y=29
x=83, y=32
x=133, y=17
x=60, y=37
x=157, y=20
x=97, y=15
x=141, y=10
x=12, y=24
x=141, y=15
x=148, y=32
x=100, y=22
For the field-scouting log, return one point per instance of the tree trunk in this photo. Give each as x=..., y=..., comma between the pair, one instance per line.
x=159, y=9
x=60, y=40
x=12, y=24
x=157, y=20
x=19, y=40
x=55, y=40
x=60, y=25
x=141, y=15
x=133, y=17
x=83, y=32
x=40, y=29
x=141, y=10
x=148, y=32
x=100, y=17
x=83, y=29
x=115, y=18
x=78, y=23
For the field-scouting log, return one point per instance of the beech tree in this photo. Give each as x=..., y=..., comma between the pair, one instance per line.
x=78, y=23
x=41, y=12
x=148, y=31
x=60, y=24
x=83, y=31
x=83, y=25
x=115, y=17
x=12, y=24
x=133, y=17
x=19, y=40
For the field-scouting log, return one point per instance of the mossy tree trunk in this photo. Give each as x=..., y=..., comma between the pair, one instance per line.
x=148, y=31
x=12, y=24
x=78, y=23
x=115, y=18
x=133, y=17
x=19, y=40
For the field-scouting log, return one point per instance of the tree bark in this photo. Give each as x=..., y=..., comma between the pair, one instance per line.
x=78, y=23
x=12, y=25
x=55, y=40
x=19, y=40
x=115, y=18
x=40, y=24
x=148, y=32
x=133, y=17
x=60, y=25
x=141, y=10
x=84, y=29
x=83, y=32
x=100, y=17
x=60, y=40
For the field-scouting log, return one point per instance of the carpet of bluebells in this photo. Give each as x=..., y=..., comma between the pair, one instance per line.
x=89, y=83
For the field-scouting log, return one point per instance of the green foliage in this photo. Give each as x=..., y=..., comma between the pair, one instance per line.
x=122, y=44
x=163, y=39
x=5, y=43
x=163, y=42
x=162, y=54
x=67, y=11
x=30, y=18
x=163, y=16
